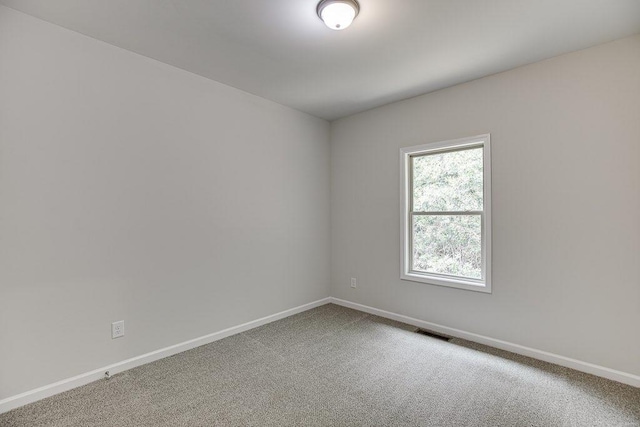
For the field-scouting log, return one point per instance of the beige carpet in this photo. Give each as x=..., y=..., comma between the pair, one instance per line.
x=332, y=366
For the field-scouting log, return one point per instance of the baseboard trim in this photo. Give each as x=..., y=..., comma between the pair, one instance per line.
x=34, y=395
x=578, y=365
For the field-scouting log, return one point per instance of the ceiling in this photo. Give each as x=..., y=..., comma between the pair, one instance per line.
x=395, y=49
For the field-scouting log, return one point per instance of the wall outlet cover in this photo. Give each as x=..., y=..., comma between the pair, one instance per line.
x=117, y=329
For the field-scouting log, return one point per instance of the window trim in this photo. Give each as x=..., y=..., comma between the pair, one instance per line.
x=406, y=185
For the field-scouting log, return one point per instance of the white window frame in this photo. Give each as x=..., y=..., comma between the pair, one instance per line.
x=481, y=285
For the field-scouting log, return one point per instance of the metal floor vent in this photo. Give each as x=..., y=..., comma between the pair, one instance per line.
x=432, y=334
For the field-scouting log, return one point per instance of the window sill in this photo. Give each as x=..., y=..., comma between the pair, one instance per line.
x=447, y=282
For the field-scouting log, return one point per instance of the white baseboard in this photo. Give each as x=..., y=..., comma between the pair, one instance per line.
x=82, y=379
x=578, y=365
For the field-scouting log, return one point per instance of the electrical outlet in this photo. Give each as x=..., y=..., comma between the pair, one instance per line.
x=117, y=329
x=354, y=282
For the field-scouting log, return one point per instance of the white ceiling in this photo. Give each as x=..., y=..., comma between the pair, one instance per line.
x=395, y=49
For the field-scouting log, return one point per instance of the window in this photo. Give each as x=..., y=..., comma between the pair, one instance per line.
x=446, y=213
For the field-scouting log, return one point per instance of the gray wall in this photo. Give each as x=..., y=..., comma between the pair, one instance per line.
x=565, y=137
x=133, y=190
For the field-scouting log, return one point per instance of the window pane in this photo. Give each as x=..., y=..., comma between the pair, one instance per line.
x=450, y=181
x=448, y=244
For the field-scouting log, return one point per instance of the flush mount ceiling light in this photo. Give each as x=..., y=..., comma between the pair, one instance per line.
x=338, y=14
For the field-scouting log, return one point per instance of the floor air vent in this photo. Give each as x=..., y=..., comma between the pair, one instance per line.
x=432, y=334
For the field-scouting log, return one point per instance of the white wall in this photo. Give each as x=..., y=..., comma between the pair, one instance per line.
x=133, y=190
x=565, y=137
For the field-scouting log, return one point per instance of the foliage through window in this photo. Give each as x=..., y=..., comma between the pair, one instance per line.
x=446, y=215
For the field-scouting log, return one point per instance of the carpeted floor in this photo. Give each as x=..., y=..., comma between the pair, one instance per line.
x=333, y=366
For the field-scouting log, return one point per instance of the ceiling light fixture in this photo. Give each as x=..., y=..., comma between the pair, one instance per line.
x=338, y=14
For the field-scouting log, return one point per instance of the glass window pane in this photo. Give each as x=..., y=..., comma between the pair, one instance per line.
x=450, y=181
x=448, y=244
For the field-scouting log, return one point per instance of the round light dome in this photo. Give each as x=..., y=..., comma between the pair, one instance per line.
x=338, y=14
